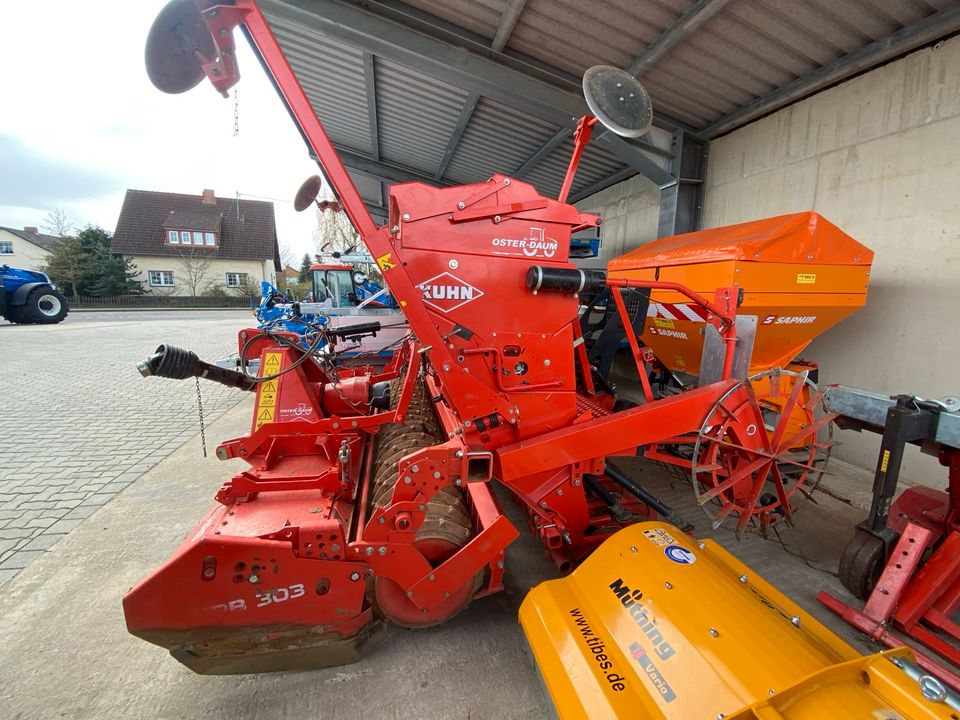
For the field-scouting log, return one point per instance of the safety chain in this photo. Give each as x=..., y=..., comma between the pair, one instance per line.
x=203, y=436
x=236, y=111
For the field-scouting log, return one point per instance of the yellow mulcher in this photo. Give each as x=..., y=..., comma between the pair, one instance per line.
x=655, y=624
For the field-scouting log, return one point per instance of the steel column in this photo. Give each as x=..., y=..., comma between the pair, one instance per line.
x=681, y=204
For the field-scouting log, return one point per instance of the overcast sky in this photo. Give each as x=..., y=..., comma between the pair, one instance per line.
x=80, y=122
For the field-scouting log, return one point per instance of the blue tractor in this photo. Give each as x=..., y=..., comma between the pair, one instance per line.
x=27, y=296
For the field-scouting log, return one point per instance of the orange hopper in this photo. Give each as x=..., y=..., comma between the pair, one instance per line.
x=800, y=276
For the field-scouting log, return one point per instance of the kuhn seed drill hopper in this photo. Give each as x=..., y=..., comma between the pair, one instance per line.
x=368, y=495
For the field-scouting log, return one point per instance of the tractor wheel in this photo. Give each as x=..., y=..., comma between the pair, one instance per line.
x=45, y=306
x=15, y=314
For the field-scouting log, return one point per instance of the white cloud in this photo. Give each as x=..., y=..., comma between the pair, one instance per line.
x=76, y=94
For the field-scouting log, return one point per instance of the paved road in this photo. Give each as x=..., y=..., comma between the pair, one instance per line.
x=78, y=423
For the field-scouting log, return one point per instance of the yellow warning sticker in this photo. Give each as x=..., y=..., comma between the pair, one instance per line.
x=663, y=322
x=679, y=360
x=385, y=263
x=267, y=402
x=271, y=363
x=884, y=461
x=659, y=537
x=806, y=278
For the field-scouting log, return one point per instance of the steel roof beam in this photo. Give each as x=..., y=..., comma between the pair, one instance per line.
x=548, y=147
x=482, y=71
x=371, y=89
x=414, y=17
x=507, y=22
x=602, y=184
x=904, y=40
x=679, y=30
x=465, y=114
x=370, y=83
x=382, y=170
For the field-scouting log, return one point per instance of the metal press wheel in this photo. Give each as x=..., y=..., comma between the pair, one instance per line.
x=755, y=457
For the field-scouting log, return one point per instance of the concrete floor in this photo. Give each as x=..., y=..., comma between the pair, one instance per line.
x=67, y=654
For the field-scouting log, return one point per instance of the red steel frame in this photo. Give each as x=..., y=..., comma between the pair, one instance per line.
x=300, y=456
x=914, y=599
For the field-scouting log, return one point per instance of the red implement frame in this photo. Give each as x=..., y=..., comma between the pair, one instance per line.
x=914, y=600
x=502, y=376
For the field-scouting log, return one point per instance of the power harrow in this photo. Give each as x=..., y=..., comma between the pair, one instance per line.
x=367, y=497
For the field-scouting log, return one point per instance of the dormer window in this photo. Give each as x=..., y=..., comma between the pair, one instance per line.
x=198, y=238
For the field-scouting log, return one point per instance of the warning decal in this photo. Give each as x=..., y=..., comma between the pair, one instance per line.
x=806, y=278
x=267, y=400
x=384, y=262
x=271, y=363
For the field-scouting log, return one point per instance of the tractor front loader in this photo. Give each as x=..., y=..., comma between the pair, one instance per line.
x=367, y=498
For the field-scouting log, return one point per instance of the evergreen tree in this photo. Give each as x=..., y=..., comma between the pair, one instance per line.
x=304, y=275
x=84, y=265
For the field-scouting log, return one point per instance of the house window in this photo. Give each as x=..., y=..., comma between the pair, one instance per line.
x=191, y=237
x=161, y=278
x=6, y=247
x=237, y=279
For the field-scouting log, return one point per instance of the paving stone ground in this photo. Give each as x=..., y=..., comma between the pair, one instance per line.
x=78, y=423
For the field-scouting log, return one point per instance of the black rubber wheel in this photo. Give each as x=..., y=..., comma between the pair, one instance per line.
x=862, y=561
x=15, y=314
x=45, y=306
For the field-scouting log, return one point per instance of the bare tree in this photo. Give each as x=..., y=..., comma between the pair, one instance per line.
x=195, y=263
x=335, y=233
x=288, y=256
x=57, y=223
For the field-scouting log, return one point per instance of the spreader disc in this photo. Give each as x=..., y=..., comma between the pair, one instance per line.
x=618, y=100
x=307, y=193
x=176, y=35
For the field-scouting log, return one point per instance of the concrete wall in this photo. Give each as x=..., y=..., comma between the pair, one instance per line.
x=630, y=211
x=25, y=254
x=878, y=155
x=214, y=273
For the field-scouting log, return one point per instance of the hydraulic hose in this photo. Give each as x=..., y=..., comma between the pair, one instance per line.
x=631, y=486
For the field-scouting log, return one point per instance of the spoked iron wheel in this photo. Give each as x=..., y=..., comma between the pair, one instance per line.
x=762, y=448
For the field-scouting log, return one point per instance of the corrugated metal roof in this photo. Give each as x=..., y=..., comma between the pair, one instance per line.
x=332, y=76
x=739, y=52
x=368, y=188
x=416, y=116
x=498, y=139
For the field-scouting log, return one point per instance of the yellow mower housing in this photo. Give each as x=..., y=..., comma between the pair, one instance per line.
x=655, y=624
